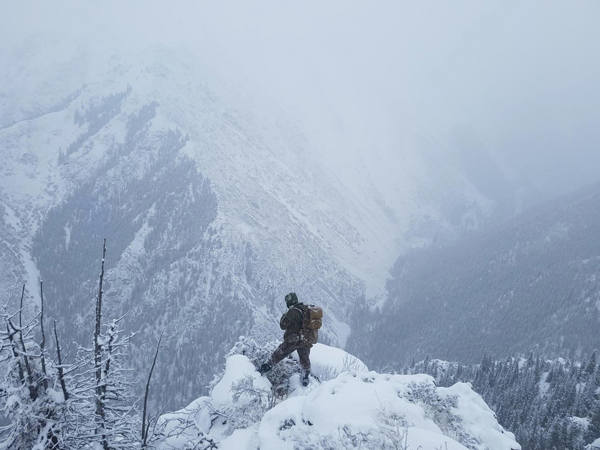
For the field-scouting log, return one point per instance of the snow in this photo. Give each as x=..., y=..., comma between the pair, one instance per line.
x=329, y=362
x=242, y=439
x=341, y=330
x=580, y=422
x=543, y=384
x=351, y=407
x=477, y=418
x=237, y=367
x=56, y=396
x=67, y=236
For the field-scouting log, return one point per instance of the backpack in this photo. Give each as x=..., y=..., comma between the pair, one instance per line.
x=312, y=317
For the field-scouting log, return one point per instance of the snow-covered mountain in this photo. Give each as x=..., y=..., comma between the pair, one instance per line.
x=530, y=283
x=351, y=407
x=212, y=210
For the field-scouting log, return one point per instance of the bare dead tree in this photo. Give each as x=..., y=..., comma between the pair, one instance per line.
x=61, y=372
x=25, y=426
x=34, y=412
x=98, y=407
x=43, y=340
x=119, y=404
x=12, y=342
x=146, y=424
x=13, y=346
x=23, y=350
x=117, y=427
x=100, y=415
x=109, y=356
x=21, y=306
x=22, y=341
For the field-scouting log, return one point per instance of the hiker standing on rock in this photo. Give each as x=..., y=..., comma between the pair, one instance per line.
x=301, y=323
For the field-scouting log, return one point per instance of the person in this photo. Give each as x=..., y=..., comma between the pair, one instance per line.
x=297, y=337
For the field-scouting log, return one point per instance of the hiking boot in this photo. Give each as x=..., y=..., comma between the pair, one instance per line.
x=305, y=378
x=264, y=368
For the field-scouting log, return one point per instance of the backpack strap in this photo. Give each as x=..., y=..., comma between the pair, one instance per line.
x=302, y=314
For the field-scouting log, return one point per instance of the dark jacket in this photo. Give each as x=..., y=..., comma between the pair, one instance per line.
x=292, y=321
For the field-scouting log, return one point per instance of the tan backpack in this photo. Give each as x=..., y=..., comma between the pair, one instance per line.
x=312, y=317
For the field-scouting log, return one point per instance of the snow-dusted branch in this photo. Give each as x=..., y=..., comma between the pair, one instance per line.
x=87, y=403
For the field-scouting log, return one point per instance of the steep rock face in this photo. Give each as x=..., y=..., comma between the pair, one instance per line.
x=351, y=407
x=531, y=283
x=211, y=214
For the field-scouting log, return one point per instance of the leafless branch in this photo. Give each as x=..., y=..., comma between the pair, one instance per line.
x=98, y=353
x=146, y=425
x=61, y=374
x=43, y=341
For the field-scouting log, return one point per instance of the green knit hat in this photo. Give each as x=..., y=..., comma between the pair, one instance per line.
x=291, y=299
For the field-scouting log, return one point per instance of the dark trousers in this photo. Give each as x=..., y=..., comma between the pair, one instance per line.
x=288, y=347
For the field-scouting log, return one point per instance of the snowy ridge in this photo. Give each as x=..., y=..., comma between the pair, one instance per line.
x=351, y=407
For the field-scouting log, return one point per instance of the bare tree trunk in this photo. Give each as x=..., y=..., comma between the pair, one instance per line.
x=32, y=389
x=50, y=434
x=100, y=414
x=61, y=374
x=109, y=352
x=21, y=306
x=43, y=341
x=145, y=425
x=15, y=353
x=13, y=343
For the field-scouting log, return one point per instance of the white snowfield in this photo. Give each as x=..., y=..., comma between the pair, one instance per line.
x=351, y=407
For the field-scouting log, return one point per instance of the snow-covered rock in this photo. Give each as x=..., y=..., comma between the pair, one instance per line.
x=353, y=408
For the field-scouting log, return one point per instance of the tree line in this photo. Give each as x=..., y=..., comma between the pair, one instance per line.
x=547, y=404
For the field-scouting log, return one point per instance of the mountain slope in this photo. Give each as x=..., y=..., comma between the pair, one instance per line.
x=212, y=211
x=530, y=283
x=201, y=257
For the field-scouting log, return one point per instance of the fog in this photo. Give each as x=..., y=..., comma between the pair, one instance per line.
x=372, y=156
x=517, y=81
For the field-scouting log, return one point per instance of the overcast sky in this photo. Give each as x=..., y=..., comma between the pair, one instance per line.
x=520, y=79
